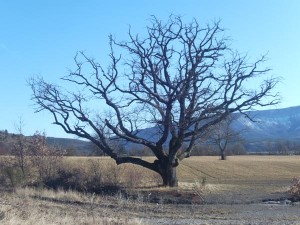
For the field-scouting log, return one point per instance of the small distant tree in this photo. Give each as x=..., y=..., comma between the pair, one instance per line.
x=20, y=150
x=30, y=157
x=180, y=78
x=294, y=189
x=16, y=167
x=222, y=134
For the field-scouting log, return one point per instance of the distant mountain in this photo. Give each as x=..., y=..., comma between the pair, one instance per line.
x=267, y=128
x=73, y=146
x=276, y=123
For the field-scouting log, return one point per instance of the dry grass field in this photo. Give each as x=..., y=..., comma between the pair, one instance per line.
x=235, y=168
x=242, y=179
x=219, y=192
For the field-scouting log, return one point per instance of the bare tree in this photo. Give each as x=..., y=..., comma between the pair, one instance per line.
x=222, y=134
x=181, y=79
x=20, y=150
x=45, y=158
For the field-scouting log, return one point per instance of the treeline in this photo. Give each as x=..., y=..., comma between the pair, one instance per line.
x=274, y=147
x=277, y=147
x=237, y=148
x=70, y=147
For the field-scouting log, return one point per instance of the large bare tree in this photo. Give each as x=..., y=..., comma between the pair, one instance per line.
x=180, y=78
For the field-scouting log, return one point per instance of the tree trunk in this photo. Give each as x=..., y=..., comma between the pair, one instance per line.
x=222, y=155
x=169, y=176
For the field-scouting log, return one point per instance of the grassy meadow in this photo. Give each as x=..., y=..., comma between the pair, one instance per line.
x=207, y=182
x=235, y=168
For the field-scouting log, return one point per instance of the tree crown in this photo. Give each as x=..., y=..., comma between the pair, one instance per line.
x=181, y=79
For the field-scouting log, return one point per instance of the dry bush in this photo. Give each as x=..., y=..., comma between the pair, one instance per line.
x=45, y=159
x=32, y=161
x=100, y=175
x=112, y=173
x=11, y=176
x=132, y=176
x=73, y=179
x=294, y=190
x=91, y=175
x=4, y=182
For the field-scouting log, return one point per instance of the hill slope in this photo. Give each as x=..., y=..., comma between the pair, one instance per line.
x=266, y=126
x=269, y=126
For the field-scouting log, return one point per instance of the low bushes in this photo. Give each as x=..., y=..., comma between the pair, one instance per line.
x=90, y=178
x=93, y=175
x=294, y=190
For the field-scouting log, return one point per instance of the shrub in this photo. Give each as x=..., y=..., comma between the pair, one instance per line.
x=294, y=190
x=91, y=178
x=132, y=177
x=14, y=175
x=46, y=159
x=66, y=179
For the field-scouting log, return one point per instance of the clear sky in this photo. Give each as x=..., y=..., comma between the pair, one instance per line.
x=41, y=38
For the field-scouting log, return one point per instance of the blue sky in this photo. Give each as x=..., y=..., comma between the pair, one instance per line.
x=42, y=37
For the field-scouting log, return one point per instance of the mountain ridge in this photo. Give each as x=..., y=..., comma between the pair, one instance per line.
x=268, y=126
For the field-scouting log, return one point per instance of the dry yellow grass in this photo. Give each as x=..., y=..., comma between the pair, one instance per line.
x=125, y=174
x=235, y=168
x=243, y=168
x=241, y=179
x=34, y=207
x=237, y=179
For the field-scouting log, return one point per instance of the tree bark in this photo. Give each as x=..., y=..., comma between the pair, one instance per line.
x=222, y=155
x=169, y=176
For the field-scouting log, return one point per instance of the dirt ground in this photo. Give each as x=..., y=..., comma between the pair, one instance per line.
x=243, y=214
x=34, y=207
x=243, y=203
